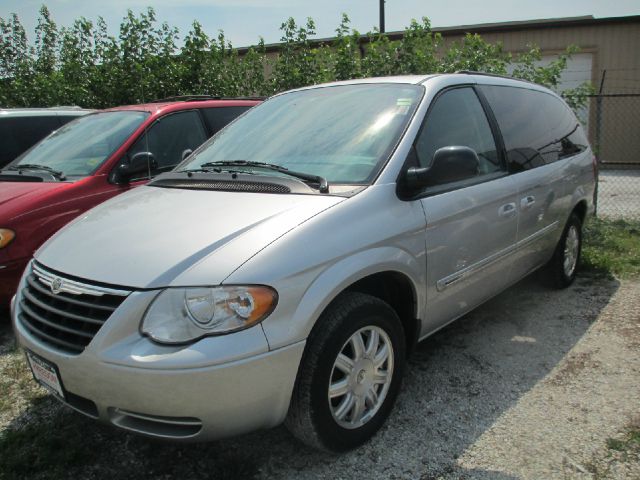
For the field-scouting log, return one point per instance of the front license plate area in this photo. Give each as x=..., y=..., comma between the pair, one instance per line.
x=46, y=374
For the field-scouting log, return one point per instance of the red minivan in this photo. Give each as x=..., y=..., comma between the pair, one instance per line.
x=92, y=159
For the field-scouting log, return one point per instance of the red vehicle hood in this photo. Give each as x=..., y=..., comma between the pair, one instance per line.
x=18, y=197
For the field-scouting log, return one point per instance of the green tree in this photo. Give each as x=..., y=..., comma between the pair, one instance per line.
x=105, y=81
x=473, y=53
x=46, y=43
x=78, y=65
x=380, y=56
x=83, y=65
x=297, y=64
x=15, y=63
x=417, y=51
x=194, y=58
x=143, y=62
x=343, y=56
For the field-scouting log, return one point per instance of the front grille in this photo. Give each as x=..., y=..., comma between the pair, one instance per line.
x=68, y=319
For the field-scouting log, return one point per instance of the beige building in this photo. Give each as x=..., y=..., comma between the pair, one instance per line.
x=609, y=58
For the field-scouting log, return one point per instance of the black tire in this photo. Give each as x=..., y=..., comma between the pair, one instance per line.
x=310, y=416
x=556, y=273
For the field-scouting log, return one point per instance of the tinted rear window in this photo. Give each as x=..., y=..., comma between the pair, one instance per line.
x=537, y=127
x=217, y=118
x=62, y=118
x=18, y=134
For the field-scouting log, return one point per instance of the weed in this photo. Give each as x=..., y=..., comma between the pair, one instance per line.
x=612, y=247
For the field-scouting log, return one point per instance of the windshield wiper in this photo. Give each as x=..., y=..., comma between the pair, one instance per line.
x=33, y=166
x=323, y=185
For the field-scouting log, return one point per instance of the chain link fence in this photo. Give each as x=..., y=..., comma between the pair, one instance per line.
x=614, y=128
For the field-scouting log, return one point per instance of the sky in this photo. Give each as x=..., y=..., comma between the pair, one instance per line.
x=244, y=21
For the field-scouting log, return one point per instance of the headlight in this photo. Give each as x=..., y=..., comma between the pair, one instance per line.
x=181, y=315
x=6, y=236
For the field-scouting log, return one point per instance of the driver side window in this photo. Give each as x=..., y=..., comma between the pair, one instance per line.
x=169, y=137
x=458, y=119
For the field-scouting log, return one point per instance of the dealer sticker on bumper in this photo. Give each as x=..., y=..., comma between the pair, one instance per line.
x=46, y=374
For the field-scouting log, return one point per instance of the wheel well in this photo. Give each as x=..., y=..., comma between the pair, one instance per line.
x=581, y=210
x=397, y=290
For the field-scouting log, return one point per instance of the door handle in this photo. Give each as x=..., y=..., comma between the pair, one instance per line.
x=507, y=210
x=527, y=202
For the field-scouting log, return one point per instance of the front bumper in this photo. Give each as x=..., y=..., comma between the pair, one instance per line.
x=215, y=388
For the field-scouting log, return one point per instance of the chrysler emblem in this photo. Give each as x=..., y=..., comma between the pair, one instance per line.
x=56, y=285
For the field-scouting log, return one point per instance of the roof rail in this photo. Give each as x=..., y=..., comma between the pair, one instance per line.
x=56, y=107
x=486, y=74
x=197, y=98
x=66, y=107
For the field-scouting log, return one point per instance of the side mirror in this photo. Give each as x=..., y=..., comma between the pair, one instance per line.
x=186, y=153
x=450, y=164
x=140, y=163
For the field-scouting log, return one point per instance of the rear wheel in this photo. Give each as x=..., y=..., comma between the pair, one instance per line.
x=561, y=269
x=350, y=374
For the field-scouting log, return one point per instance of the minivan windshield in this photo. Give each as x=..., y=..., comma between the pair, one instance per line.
x=79, y=147
x=342, y=133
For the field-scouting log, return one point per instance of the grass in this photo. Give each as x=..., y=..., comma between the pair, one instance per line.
x=630, y=442
x=17, y=388
x=612, y=247
x=622, y=455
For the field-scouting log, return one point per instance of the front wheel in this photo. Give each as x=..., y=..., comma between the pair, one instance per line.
x=350, y=374
x=562, y=267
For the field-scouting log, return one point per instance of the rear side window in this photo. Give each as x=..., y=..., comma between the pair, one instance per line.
x=62, y=119
x=170, y=137
x=18, y=134
x=537, y=127
x=458, y=119
x=217, y=118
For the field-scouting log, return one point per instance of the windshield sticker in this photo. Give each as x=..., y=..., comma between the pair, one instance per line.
x=402, y=106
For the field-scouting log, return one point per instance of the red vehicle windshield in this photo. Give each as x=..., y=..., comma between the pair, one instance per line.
x=78, y=148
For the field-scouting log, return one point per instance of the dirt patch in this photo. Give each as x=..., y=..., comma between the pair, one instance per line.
x=573, y=366
x=560, y=428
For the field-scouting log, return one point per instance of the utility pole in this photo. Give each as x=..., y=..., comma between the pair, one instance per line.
x=381, y=16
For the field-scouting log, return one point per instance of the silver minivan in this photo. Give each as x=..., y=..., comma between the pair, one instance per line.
x=285, y=270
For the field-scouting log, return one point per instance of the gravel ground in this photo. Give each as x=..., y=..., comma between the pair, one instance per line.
x=531, y=385
x=619, y=194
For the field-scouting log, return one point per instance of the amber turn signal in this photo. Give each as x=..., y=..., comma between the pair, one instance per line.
x=6, y=236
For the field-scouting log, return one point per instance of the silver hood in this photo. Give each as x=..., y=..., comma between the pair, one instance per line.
x=156, y=237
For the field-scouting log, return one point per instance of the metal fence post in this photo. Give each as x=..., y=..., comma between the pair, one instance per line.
x=597, y=149
x=599, y=115
x=598, y=138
